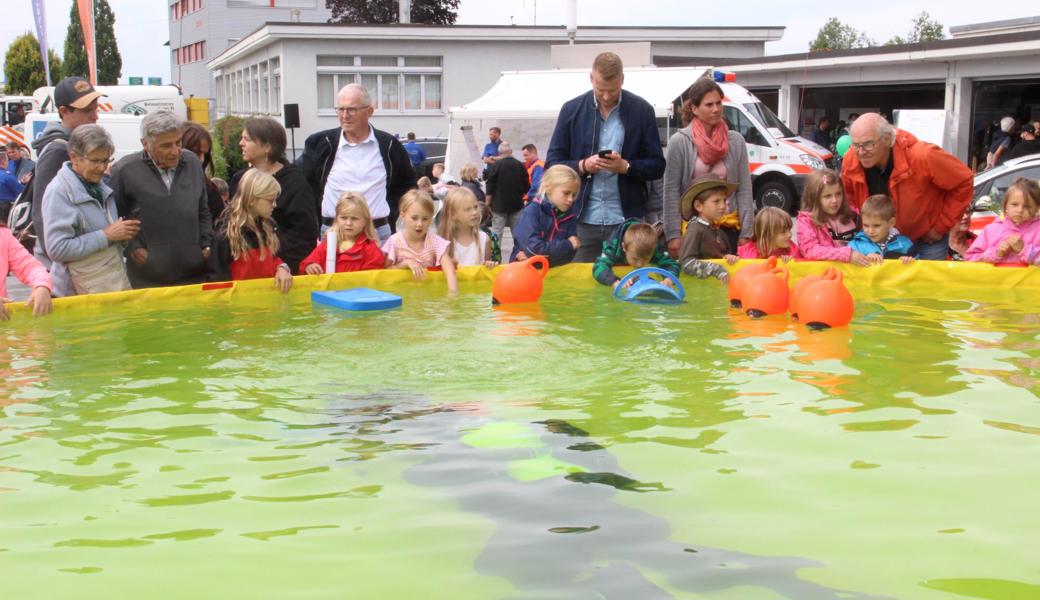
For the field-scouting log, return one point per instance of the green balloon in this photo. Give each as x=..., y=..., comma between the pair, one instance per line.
x=842, y=146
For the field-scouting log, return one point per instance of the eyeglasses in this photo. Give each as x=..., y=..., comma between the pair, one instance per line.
x=98, y=162
x=865, y=146
x=350, y=110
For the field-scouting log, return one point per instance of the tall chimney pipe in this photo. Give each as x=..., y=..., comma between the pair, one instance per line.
x=404, y=11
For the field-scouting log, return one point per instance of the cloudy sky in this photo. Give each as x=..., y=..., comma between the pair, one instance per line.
x=142, y=27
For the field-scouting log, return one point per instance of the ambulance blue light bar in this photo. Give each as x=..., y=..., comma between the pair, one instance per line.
x=724, y=77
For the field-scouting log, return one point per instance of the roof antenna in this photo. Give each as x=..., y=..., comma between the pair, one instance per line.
x=572, y=20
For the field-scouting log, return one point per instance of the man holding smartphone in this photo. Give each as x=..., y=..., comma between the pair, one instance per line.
x=609, y=136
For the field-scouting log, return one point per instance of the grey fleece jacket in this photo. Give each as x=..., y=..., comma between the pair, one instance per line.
x=175, y=224
x=73, y=224
x=51, y=153
x=678, y=172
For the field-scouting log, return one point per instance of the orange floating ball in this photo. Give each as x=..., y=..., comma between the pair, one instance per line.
x=520, y=281
x=744, y=274
x=826, y=303
x=803, y=284
x=766, y=294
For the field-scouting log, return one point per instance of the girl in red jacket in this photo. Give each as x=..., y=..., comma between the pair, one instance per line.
x=354, y=234
x=772, y=237
x=246, y=245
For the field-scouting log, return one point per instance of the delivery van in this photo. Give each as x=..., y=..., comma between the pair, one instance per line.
x=125, y=130
x=14, y=108
x=525, y=104
x=137, y=100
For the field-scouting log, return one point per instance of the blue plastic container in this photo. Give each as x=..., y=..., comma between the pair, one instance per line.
x=640, y=287
x=357, y=299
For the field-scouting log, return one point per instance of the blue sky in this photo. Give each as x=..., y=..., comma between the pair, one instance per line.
x=142, y=27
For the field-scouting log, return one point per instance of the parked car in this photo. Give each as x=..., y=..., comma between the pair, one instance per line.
x=435, y=150
x=991, y=185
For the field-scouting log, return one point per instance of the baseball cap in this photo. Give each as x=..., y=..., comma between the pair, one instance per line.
x=1027, y=128
x=75, y=92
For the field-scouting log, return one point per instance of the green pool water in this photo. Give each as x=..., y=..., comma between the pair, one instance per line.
x=579, y=448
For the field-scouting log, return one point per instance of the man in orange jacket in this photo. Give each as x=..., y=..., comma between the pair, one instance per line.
x=930, y=187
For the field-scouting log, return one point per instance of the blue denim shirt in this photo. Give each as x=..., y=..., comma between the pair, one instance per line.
x=604, y=207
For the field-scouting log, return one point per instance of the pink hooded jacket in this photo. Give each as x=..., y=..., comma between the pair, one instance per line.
x=984, y=248
x=815, y=242
x=15, y=259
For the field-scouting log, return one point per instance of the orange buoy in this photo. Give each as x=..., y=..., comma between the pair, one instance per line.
x=826, y=303
x=766, y=294
x=803, y=284
x=520, y=281
x=743, y=275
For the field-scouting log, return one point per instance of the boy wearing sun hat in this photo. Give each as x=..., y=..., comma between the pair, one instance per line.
x=702, y=205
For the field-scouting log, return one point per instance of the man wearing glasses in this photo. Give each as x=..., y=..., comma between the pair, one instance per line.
x=77, y=103
x=930, y=187
x=356, y=157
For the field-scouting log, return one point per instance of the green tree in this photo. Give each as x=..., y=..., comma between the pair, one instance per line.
x=226, y=133
x=835, y=35
x=925, y=29
x=23, y=67
x=109, y=62
x=428, y=12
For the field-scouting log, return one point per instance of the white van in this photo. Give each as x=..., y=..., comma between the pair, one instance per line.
x=135, y=100
x=124, y=129
x=525, y=104
x=9, y=106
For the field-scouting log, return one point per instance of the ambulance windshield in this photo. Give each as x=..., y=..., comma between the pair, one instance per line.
x=768, y=118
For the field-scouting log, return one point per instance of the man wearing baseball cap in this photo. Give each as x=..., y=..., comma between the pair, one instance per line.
x=77, y=104
x=1028, y=145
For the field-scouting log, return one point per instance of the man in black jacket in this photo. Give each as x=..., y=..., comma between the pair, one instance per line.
x=507, y=184
x=357, y=157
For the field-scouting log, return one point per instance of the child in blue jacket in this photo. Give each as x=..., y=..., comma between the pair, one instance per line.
x=879, y=238
x=548, y=226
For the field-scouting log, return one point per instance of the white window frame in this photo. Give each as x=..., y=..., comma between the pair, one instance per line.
x=344, y=74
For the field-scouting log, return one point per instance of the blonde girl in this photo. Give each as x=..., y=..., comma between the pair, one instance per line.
x=550, y=227
x=246, y=245
x=1015, y=238
x=772, y=237
x=414, y=247
x=357, y=246
x=470, y=246
x=826, y=223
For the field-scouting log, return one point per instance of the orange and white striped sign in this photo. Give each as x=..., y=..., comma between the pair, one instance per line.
x=107, y=107
x=10, y=134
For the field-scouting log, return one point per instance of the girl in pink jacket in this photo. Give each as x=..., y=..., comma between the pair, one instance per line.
x=15, y=259
x=772, y=237
x=826, y=223
x=1016, y=237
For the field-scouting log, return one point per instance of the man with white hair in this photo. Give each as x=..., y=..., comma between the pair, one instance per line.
x=165, y=188
x=507, y=184
x=998, y=149
x=930, y=187
x=356, y=157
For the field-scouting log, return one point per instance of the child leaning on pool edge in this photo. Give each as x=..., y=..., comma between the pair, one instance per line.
x=702, y=205
x=15, y=259
x=635, y=244
x=357, y=244
x=549, y=227
x=826, y=223
x=880, y=239
x=1016, y=237
x=414, y=246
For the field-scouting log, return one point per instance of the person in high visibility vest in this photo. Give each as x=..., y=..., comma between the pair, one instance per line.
x=535, y=167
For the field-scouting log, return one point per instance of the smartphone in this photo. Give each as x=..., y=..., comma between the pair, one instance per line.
x=135, y=214
x=605, y=153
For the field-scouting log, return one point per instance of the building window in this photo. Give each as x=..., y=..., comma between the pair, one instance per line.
x=189, y=54
x=272, y=4
x=397, y=84
x=276, y=88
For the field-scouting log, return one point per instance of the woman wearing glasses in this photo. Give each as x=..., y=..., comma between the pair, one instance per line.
x=83, y=233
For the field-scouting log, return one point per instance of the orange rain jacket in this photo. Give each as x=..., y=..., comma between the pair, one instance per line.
x=929, y=186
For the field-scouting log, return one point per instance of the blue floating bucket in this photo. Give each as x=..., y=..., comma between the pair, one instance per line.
x=646, y=286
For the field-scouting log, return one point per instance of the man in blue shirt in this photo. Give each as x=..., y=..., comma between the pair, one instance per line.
x=609, y=136
x=415, y=153
x=490, y=154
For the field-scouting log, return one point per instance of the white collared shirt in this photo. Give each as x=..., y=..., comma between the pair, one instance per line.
x=357, y=168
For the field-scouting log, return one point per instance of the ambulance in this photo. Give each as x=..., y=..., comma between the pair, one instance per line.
x=525, y=104
x=137, y=100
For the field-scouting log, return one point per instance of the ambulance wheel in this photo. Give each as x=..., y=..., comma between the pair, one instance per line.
x=775, y=193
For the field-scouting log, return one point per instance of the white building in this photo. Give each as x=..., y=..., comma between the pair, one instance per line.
x=202, y=29
x=415, y=72
x=976, y=79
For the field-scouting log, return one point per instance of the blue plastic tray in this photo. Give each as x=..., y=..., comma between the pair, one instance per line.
x=357, y=299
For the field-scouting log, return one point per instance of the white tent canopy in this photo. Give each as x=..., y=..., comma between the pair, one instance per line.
x=540, y=94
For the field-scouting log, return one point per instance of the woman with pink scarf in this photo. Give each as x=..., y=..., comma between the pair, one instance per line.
x=706, y=145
